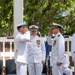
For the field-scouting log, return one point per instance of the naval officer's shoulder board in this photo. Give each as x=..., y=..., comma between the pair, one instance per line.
x=59, y=35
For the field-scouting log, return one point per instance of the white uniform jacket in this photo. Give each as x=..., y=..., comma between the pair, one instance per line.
x=66, y=62
x=66, y=69
x=21, y=47
x=73, y=46
x=58, y=49
x=36, y=50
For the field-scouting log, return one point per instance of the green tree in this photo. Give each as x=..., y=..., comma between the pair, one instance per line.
x=41, y=13
x=6, y=17
x=44, y=12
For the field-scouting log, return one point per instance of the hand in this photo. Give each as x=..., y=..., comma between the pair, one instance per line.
x=43, y=61
x=16, y=50
x=59, y=63
x=49, y=33
x=64, y=68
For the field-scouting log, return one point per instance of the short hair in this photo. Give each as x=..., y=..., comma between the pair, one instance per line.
x=19, y=27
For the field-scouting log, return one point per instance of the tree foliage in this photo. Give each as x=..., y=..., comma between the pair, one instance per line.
x=6, y=17
x=41, y=13
x=44, y=12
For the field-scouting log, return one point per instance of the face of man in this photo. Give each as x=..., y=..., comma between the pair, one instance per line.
x=34, y=32
x=55, y=30
x=23, y=29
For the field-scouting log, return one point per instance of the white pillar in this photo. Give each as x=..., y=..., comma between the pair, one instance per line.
x=18, y=14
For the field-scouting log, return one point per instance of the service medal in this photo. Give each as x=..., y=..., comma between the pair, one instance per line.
x=38, y=42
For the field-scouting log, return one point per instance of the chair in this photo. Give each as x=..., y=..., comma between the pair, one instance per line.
x=1, y=65
x=10, y=67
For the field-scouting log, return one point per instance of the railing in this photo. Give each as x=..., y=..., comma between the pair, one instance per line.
x=68, y=45
x=7, y=52
x=6, y=49
x=68, y=51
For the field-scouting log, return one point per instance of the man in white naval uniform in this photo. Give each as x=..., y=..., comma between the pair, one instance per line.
x=66, y=68
x=73, y=46
x=58, y=49
x=21, y=51
x=73, y=50
x=36, y=52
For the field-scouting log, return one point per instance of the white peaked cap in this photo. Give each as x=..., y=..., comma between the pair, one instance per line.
x=33, y=27
x=21, y=24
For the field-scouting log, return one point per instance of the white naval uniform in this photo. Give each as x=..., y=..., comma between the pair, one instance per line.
x=21, y=53
x=67, y=70
x=36, y=53
x=73, y=47
x=57, y=54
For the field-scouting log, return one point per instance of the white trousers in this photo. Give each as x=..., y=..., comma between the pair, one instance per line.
x=68, y=71
x=21, y=68
x=57, y=70
x=35, y=69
